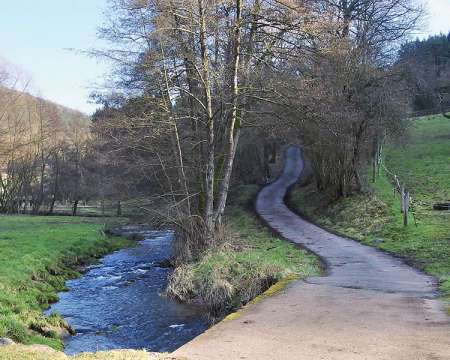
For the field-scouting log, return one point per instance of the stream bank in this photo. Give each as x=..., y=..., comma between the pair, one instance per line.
x=117, y=304
x=248, y=261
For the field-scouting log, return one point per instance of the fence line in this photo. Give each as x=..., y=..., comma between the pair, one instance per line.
x=434, y=111
x=406, y=202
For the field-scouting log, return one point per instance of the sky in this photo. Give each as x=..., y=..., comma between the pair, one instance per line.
x=35, y=35
x=438, y=17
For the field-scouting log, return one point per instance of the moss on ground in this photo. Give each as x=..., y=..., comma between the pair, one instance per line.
x=273, y=290
x=422, y=162
x=37, y=255
x=249, y=261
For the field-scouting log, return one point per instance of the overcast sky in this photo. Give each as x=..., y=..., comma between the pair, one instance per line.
x=35, y=35
x=439, y=16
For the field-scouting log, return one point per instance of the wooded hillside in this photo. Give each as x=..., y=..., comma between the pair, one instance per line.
x=428, y=65
x=40, y=143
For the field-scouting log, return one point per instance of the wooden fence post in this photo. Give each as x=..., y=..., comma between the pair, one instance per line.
x=406, y=208
x=402, y=198
x=405, y=199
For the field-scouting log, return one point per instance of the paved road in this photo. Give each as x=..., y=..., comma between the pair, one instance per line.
x=370, y=305
x=349, y=264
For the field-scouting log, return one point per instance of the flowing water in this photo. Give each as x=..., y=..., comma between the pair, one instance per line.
x=117, y=303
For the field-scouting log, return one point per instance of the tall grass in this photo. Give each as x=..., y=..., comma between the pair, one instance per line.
x=246, y=263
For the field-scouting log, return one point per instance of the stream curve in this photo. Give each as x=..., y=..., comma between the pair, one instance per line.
x=117, y=304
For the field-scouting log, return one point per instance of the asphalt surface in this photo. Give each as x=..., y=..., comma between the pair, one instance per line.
x=349, y=263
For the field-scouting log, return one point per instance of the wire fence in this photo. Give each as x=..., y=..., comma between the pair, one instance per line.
x=427, y=112
x=406, y=202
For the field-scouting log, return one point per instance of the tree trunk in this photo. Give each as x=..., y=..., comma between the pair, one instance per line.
x=233, y=136
x=119, y=208
x=55, y=186
x=40, y=198
x=52, y=206
x=210, y=156
x=75, y=208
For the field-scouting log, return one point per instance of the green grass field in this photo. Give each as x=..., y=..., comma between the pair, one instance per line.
x=422, y=162
x=37, y=255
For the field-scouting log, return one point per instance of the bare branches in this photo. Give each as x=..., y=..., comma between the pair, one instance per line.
x=195, y=74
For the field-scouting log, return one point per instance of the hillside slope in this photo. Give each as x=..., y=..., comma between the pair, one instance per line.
x=14, y=103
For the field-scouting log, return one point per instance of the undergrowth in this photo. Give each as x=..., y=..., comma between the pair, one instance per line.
x=246, y=264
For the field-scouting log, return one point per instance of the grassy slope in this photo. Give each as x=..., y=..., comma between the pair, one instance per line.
x=423, y=163
x=250, y=260
x=37, y=255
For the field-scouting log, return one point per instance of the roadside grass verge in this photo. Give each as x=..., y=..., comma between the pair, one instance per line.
x=246, y=264
x=422, y=162
x=37, y=255
x=16, y=352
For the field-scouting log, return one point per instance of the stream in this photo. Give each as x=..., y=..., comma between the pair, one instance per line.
x=117, y=304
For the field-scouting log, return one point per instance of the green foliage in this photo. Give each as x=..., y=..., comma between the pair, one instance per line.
x=37, y=255
x=422, y=163
x=249, y=261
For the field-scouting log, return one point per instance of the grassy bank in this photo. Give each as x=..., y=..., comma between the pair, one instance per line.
x=16, y=352
x=245, y=265
x=422, y=162
x=37, y=255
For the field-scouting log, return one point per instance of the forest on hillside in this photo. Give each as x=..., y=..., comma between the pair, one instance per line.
x=428, y=67
x=204, y=94
x=40, y=149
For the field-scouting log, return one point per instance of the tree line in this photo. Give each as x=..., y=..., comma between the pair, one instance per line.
x=427, y=63
x=44, y=151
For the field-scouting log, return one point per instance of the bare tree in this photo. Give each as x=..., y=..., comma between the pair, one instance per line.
x=196, y=63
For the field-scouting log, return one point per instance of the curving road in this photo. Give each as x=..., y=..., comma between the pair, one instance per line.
x=369, y=306
x=349, y=263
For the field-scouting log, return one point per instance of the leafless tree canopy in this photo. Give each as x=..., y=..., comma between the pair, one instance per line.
x=41, y=146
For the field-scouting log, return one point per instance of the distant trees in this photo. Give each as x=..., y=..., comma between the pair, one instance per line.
x=35, y=149
x=428, y=65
